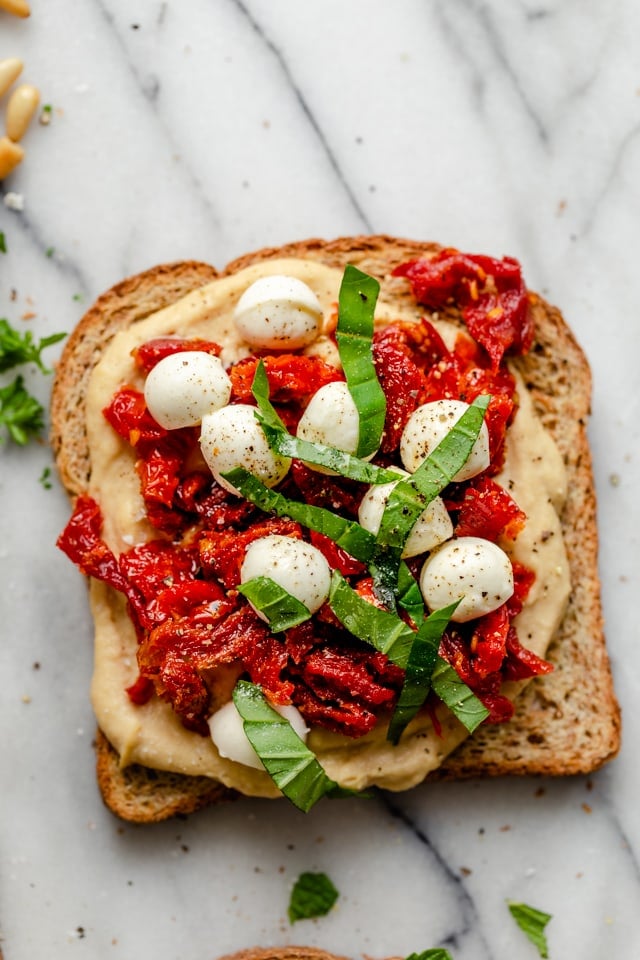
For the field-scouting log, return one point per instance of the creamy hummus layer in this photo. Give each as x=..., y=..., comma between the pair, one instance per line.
x=152, y=734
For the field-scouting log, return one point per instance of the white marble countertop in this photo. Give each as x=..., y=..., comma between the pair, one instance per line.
x=207, y=128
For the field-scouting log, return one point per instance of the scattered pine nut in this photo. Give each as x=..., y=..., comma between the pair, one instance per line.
x=19, y=8
x=11, y=155
x=10, y=70
x=22, y=105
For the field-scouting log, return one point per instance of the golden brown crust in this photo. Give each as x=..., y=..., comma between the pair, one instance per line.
x=569, y=721
x=283, y=953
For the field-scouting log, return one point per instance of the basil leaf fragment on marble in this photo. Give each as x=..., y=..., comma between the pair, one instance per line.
x=20, y=413
x=18, y=348
x=532, y=922
x=294, y=769
x=436, y=953
x=281, y=609
x=354, y=336
x=284, y=443
x=313, y=895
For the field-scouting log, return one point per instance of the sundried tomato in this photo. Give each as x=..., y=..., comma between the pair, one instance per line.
x=83, y=544
x=148, y=354
x=521, y=663
x=337, y=714
x=128, y=415
x=523, y=580
x=490, y=293
x=487, y=510
x=321, y=490
x=336, y=557
x=489, y=642
x=156, y=565
x=222, y=552
x=291, y=377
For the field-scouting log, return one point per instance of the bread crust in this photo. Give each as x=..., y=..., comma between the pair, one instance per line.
x=566, y=723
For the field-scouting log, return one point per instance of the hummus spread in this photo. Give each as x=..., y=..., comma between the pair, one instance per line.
x=152, y=734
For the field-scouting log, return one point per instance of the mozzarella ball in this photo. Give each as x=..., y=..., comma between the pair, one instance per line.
x=430, y=424
x=278, y=313
x=232, y=437
x=296, y=566
x=227, y=732
x=185, y=386
x=331, y=418
x=471, y=568
x=432, y=527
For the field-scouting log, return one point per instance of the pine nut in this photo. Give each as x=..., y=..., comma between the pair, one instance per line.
x=22, y=105
x=19, y=8
x=10, y=70
x=10, y=156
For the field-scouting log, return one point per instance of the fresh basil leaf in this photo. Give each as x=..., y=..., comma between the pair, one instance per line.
x=313, y=895
x=419, y=670
x=280, y=440
x=453, y=692
x=436, y=953
x=354, y=334
x=380, y=628
x=20, y=412
x=3, y=242
x=409, y=595
x=347, y=534
x=294, y=769
x=281, y=609
x=532, y=922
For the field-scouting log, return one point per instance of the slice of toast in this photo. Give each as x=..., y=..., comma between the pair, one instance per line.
x=565, y=723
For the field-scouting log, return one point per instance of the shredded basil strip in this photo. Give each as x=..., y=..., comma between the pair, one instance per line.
x=294, y=769
x=420, y=665
x=456, y=695
x=409, y=594
x=280, y=440
x=532, y=923
x=380, y=628
x=281, y=609
x=354, y=333
x=347, y=534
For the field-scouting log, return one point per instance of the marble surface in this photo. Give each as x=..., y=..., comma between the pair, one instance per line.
x=206, y=128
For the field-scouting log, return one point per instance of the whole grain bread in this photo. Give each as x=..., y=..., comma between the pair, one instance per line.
x=284, y=953
x=565, y=723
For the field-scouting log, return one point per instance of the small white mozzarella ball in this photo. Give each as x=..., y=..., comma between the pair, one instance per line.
x=430, y=424
x=471, y=568
x=331, y=417
x=227, y=732
x=278, y=313
x=232, y=437
x=432, y=527
x=185, y=386
x=296, y=566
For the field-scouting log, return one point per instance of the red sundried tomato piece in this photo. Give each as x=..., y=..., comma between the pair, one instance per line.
x=523, y=580
x=500, y=708
x=222, y=552
x=82, y=543
x=490, y=293
x=336, y=557
x=404, y=388
x=148, y=354
x=128, y=415
x=320, y=490
x=489, y=642
x=340, y=716
x=488, y=511
x=291, y=377
x=333, y=672
x=203, y=601
x=522, y=663
x=156, y=565
x=141, y=691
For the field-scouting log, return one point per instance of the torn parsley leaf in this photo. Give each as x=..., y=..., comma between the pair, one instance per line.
x=20, y=412
x=3, y=243
x=532, y=922
x=17, y=348
x=313, y=895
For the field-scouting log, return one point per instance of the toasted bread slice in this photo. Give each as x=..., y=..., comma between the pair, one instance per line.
x=283, y=953
x=565, y=723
